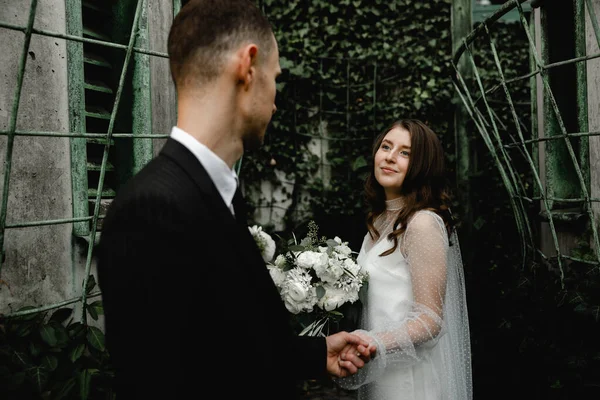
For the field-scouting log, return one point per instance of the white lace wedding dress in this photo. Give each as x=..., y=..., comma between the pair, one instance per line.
x=416, y=313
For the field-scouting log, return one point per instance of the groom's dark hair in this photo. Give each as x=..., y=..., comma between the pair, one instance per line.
x=204, y=31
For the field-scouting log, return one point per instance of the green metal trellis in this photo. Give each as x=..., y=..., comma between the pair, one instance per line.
x=12, y=132
x=476, y=99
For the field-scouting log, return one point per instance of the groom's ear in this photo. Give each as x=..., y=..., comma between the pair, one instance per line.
x=245, y=61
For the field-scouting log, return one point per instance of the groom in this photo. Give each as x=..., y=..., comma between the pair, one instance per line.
x=188, y=301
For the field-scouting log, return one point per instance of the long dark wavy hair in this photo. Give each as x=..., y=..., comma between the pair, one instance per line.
x=425, y=186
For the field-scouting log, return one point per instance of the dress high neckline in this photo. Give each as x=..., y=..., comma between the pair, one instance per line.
x=394, y=204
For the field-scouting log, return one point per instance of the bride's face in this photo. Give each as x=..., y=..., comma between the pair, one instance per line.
x=391, y=161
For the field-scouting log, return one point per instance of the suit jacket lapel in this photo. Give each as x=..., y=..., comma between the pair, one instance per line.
x=239, y=207
x=190, y=164
x=248, y=250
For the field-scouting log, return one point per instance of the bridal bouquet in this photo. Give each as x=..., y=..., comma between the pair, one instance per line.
x=315, y=277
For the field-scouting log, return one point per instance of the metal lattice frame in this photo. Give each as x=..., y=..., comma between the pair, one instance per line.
x=12, y=132
x=478, y=103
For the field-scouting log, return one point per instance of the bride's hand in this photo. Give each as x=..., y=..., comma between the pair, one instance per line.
x=366, y=353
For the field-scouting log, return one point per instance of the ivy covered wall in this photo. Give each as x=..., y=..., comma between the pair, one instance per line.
x=350, y=68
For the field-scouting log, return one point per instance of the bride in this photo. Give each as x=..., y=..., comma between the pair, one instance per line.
x=415, y=311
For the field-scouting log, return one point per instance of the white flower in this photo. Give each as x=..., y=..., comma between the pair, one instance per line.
x=297, y=292
x=343, y=249
x=264, y=241
x=277, y=274
x=334, y=297
x=331, y=271
x=315, y=276
x=311, y=259
x=280, y=261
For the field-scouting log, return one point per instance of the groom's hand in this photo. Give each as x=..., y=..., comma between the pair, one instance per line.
x=356, y=353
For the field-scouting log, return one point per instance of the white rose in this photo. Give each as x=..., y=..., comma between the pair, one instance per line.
x=311, y=259
x=343, y=249
x=297, y=291
x=331, y=271
x=334, y=297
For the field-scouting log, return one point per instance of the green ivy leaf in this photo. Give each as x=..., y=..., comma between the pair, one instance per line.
x=35, y=348
x=94, y=309
x=61, y=333
x=48, y=335
x=20, y=358
x=95, y=338
x=38, y=376
x=64, y=390
x=91, y=284
x=49, y=362
x=85, y=379
x=76, y=352
x=76, y=330
x=61, y=315
x=359, y=163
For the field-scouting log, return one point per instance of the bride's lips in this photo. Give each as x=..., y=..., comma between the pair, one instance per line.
x=388, y=170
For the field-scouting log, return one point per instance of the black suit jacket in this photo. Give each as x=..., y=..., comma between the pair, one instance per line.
x=188, y=301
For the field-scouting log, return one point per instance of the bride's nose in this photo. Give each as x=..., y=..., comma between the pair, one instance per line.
x=390, y=156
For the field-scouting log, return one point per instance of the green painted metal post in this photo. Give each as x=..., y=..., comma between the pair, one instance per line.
x=561, y=181
x=461, y=21
x=582, y=97
x=76, y=90
x=142, y=103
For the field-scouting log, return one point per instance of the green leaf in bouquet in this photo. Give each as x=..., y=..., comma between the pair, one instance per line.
x=306, y=242
x=296, y=247
x=320, y=291
x=331, y=243
x=315, y=328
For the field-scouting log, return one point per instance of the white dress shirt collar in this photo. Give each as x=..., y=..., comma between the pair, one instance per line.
x=224, y=178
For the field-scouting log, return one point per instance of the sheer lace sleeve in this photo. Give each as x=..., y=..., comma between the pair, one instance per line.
x=407, y=340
